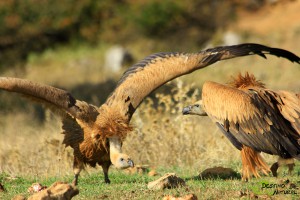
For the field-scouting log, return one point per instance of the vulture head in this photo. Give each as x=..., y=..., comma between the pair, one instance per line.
x=194, y=109
x=119, y=159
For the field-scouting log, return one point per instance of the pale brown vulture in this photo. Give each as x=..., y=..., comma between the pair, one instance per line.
x=96, y=133
x=255, y=119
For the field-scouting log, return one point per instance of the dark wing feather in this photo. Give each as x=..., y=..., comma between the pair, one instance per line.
x=230, y=137
x=249, y=49
x=52, y=97
x=155, y=70
x=255, y=117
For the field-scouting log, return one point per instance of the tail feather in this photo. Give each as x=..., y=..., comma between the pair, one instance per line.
x=252, y=163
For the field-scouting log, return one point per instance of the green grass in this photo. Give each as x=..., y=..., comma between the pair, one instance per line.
x=125, y=186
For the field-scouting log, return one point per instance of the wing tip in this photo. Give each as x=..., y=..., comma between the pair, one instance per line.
x=244, y=49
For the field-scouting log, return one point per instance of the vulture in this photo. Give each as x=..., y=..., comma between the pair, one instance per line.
x=255, y=119
x=96, y=133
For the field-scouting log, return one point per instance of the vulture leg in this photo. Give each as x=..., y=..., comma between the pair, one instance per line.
x=252, y=162
x=291, y=168
x=274, y=169
x=289, y=162
x=77, y=167
x=105, y=168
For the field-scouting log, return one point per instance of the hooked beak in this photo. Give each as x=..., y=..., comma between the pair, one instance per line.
x=130, y=163
x=186, y=110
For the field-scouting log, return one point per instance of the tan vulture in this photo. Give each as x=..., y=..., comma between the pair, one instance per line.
x=96, y=133
x=255, y=119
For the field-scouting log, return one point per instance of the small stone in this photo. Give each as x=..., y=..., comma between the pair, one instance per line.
x=138, y=169
x=169, y=180
x=218, y=172
x=58, y=190
x=36, y=187
x=152, y=173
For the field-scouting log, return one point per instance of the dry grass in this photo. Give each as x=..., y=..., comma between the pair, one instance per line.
x=28, y=148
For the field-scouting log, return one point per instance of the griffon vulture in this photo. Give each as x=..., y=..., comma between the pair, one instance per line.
x=255, y=119
x=96, y=133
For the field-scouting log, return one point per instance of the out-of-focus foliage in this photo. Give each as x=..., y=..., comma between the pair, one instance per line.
x=34, y=25
x=156, y=18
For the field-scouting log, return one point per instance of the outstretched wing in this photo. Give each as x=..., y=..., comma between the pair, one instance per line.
x=52, y=97
x=155, y=70
x=262, y=119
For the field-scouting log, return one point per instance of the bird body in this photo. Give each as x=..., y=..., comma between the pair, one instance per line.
x=96, y=133
x=255, y=115
x=255, y=119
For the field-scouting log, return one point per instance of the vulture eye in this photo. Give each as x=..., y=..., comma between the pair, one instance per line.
x=122, y=159
x=197, y=105
x=97, y=136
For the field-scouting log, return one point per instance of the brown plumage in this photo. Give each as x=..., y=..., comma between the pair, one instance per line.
x=255, y=119
x=96, y=133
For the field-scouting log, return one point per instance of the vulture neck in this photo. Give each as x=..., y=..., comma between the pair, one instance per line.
x=243, y=82
x=115, y=145
x=115, y=148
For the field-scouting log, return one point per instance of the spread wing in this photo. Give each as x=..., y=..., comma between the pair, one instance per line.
x=262, y=119
x=155, y=70
x=54, y=98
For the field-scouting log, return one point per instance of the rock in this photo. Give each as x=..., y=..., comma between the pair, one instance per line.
x=141, y=169
x=169, y=180
x=186, y=197
x=152, y=173
x=57, y=191
x=36, y=187
x=138, y=169
x=218, y=172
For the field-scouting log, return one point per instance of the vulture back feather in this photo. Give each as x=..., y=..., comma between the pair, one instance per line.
x=260, y=118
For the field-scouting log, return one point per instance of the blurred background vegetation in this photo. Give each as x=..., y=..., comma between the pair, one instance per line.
x=64, y=43
x=36, y=25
